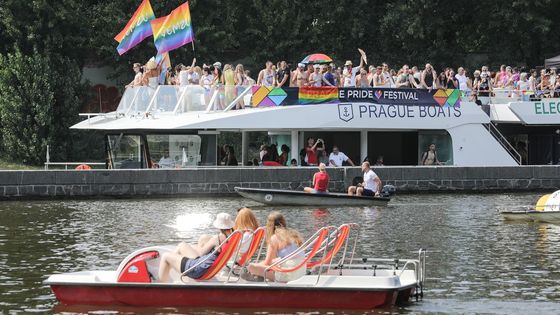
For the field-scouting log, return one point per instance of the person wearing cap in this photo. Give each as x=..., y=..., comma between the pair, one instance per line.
x=349, y=73
x=203, y=255
x=320, y=181
x=299, y=76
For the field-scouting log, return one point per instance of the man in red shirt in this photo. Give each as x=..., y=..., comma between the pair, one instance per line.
x=320, y=181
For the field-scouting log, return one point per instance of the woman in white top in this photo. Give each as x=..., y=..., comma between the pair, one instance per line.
x=151, y=76
x=137, y=76
x=523, y=87
x=316, y=78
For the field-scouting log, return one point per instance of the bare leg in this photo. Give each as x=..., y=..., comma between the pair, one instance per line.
x=258, y=270
x=351, y=190
x=167, y=261
x=308, y=190
x=187, y=250
x=359, y=191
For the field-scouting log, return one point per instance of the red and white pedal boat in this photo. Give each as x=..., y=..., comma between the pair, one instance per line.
x=349, y=284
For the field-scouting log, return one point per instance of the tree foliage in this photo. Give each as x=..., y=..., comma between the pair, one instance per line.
x=37, y=105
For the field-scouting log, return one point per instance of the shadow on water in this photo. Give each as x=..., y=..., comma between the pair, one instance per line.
x=476, y=264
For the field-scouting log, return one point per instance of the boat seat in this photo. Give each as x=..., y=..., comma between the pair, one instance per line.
x=339, y=238
x=227, y=249
x=256, y=243
x=315, y=242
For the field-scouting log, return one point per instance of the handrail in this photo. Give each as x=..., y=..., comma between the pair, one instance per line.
x=152, y=101
x=212, y=101
x=180, y=100
x=503, y=142
x=237, y=99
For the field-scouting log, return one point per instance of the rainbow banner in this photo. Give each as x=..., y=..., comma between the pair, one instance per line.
x=137, y=28
x=174, y=30
x=315, y=95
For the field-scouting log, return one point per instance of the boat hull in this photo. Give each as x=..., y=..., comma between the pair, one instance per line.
x=299, y=198
x=230, y=296
x=535, y=216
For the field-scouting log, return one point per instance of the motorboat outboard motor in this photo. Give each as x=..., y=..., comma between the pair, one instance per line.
x=388, y=190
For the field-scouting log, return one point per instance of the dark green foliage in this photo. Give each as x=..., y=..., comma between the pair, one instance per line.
x=38, y=102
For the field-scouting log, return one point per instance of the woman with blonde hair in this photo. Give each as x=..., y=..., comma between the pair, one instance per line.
x=245, y=221
x=228, y=80
x=281, y=242
x=240, y=84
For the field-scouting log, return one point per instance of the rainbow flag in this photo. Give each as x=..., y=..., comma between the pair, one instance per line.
x=316, y=95
x=174, y=30
x=137, y=28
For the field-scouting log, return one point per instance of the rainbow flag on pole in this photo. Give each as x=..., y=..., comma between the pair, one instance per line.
x=174, y=30
x=315, y=95
x=137, y=28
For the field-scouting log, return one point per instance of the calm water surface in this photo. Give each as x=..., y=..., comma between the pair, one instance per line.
x=477, y=264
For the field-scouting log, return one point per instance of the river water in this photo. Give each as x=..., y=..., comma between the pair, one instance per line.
x=476, y=263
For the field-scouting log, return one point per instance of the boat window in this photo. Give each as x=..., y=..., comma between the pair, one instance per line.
x=441, y=139
x=175, y=151
x=126, y=151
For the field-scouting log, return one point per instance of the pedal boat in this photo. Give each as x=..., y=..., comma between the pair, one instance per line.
x=300, y=198
x=547, y=210
x=350, y=284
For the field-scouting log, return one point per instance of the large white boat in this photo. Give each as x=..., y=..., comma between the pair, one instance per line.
x=180, y=126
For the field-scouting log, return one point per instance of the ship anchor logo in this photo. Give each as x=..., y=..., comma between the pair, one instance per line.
x=345, y=112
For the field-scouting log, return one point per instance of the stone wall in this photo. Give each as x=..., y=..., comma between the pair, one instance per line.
x=206, y=181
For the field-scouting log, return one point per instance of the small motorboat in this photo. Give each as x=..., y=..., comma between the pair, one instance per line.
x=547, y=209
x=349, y=284
x=300, y=198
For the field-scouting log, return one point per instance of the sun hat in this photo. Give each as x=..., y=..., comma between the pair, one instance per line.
x=223, y=221
x=217, y=64
x=348, y=63
x=301, y=65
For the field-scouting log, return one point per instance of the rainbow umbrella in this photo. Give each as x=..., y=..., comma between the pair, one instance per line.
x=316, y=58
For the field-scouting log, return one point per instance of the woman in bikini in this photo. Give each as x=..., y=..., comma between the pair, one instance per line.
x=281, y=242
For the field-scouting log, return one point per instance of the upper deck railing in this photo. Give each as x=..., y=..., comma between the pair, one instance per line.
x=170, y=99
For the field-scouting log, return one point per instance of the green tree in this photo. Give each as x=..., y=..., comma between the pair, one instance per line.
x=39, y=100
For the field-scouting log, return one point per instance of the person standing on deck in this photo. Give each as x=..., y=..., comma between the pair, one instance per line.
x=371, y=186
x=349, y=73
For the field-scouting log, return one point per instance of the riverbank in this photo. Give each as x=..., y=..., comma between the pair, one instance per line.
x=35, y=184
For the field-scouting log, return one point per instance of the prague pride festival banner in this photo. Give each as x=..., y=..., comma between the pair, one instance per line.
x=285, y=96
x=174, y=30
x=137, y=28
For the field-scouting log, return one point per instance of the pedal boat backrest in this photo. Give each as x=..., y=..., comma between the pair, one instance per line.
x=339, y=238
x=228, y=249
x=256, y=243
x=314, y=242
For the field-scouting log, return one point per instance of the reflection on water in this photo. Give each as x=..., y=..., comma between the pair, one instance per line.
x=476, y=262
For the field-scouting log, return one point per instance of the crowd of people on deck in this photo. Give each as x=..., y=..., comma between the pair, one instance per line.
x=518, y=81
x=194, y=260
